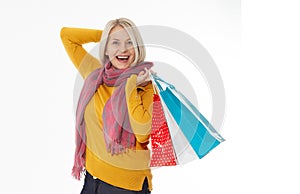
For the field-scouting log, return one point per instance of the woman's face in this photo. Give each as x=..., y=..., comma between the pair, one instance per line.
x=119, y=48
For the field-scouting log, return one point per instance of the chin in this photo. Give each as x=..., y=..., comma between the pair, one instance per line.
x=122, y=66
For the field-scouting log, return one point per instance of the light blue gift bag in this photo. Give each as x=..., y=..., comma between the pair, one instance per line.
x=194, y=135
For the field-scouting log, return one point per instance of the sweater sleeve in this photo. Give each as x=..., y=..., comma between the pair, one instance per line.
x=73, y=39
x=139, y=103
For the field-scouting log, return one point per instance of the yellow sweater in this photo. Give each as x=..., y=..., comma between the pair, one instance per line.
x=126, y=170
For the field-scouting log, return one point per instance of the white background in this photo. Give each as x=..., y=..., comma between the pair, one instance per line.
x=255, y=46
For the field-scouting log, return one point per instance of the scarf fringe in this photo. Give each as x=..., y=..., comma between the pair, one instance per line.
x=77, y=172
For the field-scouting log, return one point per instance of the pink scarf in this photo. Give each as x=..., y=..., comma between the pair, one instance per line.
x=116, y=126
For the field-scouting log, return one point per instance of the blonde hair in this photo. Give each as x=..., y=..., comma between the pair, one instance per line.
x=134, y=34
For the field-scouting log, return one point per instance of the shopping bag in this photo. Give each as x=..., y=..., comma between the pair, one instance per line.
x=162, y=149
x=192, y=135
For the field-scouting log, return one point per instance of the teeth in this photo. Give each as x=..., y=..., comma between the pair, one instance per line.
x=123, y=57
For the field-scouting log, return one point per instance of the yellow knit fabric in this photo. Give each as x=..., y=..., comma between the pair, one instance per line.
x=126, y=170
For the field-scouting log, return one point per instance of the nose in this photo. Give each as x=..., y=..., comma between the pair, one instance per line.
x=123, y=48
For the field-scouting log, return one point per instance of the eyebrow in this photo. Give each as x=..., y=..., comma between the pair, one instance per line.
x=119, y=39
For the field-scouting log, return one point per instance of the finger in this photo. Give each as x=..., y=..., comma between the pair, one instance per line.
x=147, y=75
x=153, y=72
x=141, y=73
x=148, y=71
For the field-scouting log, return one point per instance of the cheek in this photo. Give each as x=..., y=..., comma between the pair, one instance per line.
x=132, y=52
x=110, y=52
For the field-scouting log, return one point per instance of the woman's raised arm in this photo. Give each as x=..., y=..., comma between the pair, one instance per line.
x=73, y=39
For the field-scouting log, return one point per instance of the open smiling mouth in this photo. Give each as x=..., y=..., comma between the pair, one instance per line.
x=122, y=59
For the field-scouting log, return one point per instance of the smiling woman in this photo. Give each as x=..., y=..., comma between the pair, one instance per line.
x=113, y=116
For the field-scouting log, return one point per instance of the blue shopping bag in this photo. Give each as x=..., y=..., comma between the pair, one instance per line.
x=182, y=114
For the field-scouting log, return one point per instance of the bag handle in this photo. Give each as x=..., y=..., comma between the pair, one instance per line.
x=158, y=87
x=156, y=79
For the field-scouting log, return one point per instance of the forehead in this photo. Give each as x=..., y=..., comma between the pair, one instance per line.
x=118, y=32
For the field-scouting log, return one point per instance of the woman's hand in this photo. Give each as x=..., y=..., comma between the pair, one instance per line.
x=143, y=77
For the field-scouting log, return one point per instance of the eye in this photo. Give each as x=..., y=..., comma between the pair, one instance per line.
x=115, y=42
x=129, y=42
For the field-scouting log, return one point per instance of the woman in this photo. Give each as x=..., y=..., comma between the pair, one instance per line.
x=113, y=117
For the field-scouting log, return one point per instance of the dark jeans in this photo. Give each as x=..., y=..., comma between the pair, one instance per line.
x=96, y=186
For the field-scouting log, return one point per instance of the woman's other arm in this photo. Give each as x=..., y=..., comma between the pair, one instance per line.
x=139, y=103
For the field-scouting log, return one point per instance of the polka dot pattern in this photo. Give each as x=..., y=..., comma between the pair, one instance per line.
x=161, y=143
